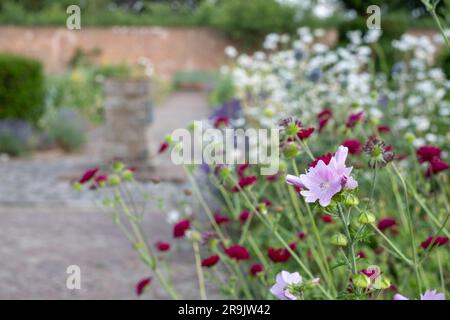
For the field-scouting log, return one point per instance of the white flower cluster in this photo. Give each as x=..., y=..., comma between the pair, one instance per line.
x=300, y=77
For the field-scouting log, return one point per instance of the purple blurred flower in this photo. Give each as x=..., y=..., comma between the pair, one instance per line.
x=428, y=295
x=230, y=109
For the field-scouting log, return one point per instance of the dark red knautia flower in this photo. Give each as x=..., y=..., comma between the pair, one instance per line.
x=101, y=178
x=435, y=166
x=244, y=215
x=323, y=117
x=273, y=178
x=386, y=223
x=304, y=133
x=266, y=202
x=323, y=123
x=256, y=268
x=326, y=158
x=237, y=252
x=301, y=235
x=245, y=182
x=326, y=218
x=221, y=121
x=210, y=261
x=162, y=246
x=370, y=273
x=220, y=219
x=163, y=147
x=241, y=169
x=353, y=145
x=325, y=114
x=142, y=284
x=432, y=156
x=180, y=228
x=353, y=119
x=279, y=255
x=434, y=241
x=428, y=153
x=361, y=254
x=382, y=128
x=88, y=175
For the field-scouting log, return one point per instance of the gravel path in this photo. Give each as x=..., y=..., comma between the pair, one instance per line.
x=45, y=226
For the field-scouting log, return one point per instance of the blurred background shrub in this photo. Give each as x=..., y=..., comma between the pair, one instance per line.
x=15, y=137
x=21, y=88
x=443, y=61
x=244, y=20
x=249, y=21
x=65, y=129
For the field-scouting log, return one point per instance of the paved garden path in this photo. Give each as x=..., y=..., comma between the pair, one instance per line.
x=45, y=226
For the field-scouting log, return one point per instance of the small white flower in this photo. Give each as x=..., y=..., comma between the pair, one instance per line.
x=231, y=52
x=173, y=216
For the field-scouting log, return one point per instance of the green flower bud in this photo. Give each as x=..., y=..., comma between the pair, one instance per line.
x=78, y=186
x=354, y=105
x=225, y=172
x=374, y=95
x=366, y=218
x=114, y=180
x=268, y=112
x=262, y=208
x=292, y=129
x=377, y=151
x=382, y=283
x=178, y=147
x=339, y=240
x=374, y=121
x=290, y=151
x=168, y=138
x=118, y=166
x=194, y=235
x=351, y=200
x=409, y=137
x=128, y=175
x=213, y=244
x=361, y=281
x=283, y=166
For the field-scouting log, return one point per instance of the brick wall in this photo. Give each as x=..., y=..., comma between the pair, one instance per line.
x=169, y=49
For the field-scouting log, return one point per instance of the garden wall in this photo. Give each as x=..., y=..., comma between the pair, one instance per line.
x=169, y=49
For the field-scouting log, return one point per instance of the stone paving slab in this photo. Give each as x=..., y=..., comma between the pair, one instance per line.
x=39, y=244
x=45, y=225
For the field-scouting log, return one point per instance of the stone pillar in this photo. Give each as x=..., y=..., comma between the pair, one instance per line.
x=128, y=115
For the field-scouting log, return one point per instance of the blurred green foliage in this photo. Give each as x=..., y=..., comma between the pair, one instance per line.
x=443, y=61
x=249, y=20
x=223, y=91
x=21, y=88
x=81, y=88
x=65, y=129
x=13, y=146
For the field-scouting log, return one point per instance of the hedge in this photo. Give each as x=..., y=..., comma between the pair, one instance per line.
x=21, y=88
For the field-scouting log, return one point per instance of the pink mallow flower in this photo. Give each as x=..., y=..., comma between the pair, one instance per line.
x=325, y=180
x=428, y=295
x=283, y=280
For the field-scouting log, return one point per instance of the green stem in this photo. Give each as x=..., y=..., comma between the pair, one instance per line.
x=198, y=265
x=393, y=246
x=204, y=204
x=411, y=228
x=351, y=245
